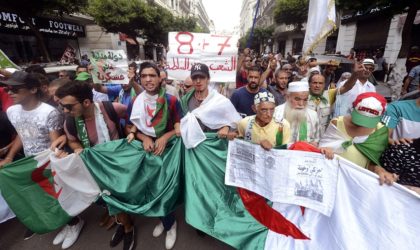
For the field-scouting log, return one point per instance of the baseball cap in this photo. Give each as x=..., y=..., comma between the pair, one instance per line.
x=22, y=78
x=368, y=109
x=263, y=97
x=83, y=76
x=200, y=69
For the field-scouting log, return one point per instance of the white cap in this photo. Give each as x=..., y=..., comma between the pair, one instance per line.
x=313, y=69
x=369, y=61
x=298, y=87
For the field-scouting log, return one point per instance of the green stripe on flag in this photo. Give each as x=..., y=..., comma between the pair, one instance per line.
x=146, y=184
x=213, y=207
x=29, y=192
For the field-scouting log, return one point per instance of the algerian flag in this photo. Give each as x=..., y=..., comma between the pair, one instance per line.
x=320, y=24
x=365, y=214
x=45, y=192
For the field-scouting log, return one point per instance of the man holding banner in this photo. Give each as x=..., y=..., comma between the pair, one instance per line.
x=262, y=128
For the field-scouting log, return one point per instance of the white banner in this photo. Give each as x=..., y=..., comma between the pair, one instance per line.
x=294, y=177
x=109, y=66
x=218, y=52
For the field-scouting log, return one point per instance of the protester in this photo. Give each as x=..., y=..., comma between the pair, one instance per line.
x=329, y=74
x=279, y=89
x=64, y=74
x=261, y=128
x=243, y=98
x=205, y=110
x=304, y=123
x=244, y=64
x=322, y=100
x=89, y=123
x=267, y=77
x=411, y=82
x=402, y=119
x=155, y=116
x=382, y=65
x=357, y=84
x=86, y=77
x=413, y=58
x=38, y=125
x=360, y=137
x=403, y=160
x=186, y=86
x=166, y=83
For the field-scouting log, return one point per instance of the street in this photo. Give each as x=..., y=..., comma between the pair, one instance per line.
x=95, y=237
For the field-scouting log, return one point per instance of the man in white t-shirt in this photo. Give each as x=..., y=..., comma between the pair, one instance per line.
x=359, y=78
x=38, y=125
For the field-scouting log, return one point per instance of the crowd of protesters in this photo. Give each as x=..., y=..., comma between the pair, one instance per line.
x=275, y=103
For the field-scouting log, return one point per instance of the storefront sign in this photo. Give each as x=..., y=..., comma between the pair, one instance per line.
x=218, y=52
x=11, y=22
x=109, y=66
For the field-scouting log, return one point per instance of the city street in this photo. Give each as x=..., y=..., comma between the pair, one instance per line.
x=95, y=237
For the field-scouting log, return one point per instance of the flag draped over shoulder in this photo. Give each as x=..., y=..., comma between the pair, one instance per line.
x=213, y=207
x=135, y=181
x=321, y=22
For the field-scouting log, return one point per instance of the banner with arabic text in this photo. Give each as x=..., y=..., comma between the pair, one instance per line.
x=109, y=66
x=218, y=52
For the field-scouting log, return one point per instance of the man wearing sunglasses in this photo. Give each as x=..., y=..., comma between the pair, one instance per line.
x=90, y=123
x=37, y=123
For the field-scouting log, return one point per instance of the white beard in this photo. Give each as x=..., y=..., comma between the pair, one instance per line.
x=294, y=116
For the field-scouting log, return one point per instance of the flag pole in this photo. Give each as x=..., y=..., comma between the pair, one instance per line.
x=248, y=43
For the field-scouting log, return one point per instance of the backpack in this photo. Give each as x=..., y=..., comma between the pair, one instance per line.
x=112, y=114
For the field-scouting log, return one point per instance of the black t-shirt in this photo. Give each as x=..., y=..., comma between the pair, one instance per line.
x=7, y=131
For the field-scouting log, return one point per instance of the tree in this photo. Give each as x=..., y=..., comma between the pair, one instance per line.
x=138, y=18
x=392, y=7
x=26, y=9
x=260, y=36
x=293, y=12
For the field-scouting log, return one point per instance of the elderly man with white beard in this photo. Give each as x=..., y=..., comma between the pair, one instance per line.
x=304, y=123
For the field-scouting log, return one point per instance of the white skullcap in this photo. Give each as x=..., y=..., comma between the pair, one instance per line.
x=298, y=87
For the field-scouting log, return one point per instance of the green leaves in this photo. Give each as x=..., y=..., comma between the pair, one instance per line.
x=291, y=12
x=138, y=18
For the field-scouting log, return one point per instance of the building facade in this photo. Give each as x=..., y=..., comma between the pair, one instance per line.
x=246, y=16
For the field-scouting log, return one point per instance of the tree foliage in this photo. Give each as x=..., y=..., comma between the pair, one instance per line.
x=293, y=12
x=138, y=18
x=260, y=36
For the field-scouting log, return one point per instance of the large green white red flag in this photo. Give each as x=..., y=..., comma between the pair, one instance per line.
x=45, y=192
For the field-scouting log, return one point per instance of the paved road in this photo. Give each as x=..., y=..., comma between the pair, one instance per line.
x=94, y=237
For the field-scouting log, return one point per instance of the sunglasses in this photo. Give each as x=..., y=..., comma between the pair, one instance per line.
x=69, y=107
x=14, y=89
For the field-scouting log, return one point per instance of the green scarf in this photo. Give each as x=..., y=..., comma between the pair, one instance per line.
x=82, y=132
x=184, y=101
x=318, y=98
x=374, y=146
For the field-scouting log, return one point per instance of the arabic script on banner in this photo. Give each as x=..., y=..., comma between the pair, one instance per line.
x=287, y=176
x=109, y=66
x=218, y=52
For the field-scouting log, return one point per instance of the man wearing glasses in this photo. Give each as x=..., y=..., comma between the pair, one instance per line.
x=244, y=64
